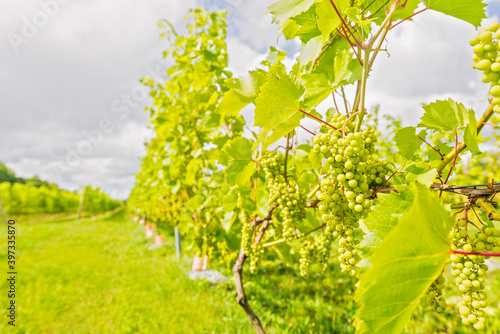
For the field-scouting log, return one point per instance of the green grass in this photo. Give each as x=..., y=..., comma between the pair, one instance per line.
x=99, y=277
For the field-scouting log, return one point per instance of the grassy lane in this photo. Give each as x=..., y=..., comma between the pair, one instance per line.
x=99, y=277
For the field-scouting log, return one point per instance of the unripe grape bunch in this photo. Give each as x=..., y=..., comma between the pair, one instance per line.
x=289, y=198
x=486, y=47
x=470, y=270
x=351, y=174
x=434, y=297
x=289, y=201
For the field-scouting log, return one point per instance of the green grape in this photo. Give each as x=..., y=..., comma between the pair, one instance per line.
x=290, y=199
x=351, y=175
x=255, y=256
x=486, y=50
x=306, y=256
x=470, y=271
x=434, y=296
x=246, y=233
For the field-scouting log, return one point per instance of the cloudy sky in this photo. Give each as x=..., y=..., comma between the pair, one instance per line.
x=72, y=105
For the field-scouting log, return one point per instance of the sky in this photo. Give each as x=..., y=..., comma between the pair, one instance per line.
x=72, y=108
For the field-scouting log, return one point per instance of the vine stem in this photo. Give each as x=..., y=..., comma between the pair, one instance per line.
x=345, y=100
x=456, y=251
x=258, y=163
x=313, y=192
x=485, y=123
x=241, y=297
x=368, y=63
x=286, y=155
x=438, y=152
x=383, y=184
x=480, y=125
x=335, y=103
x=308, y=130
x=409, y=17
x=455, y=158
x=318, y=119
x=364, y=78
x=489, y=208
x=344, y=24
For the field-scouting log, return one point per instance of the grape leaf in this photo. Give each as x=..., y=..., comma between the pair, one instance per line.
x=376, y=7
x=434, y=157
x=283, y=10
x=421, y=172
x=277, y=106
x=334, y=69
x=243, y=91
x=472, y=11
x=444, y=115
x=308, y=25
x=328, y=20
x=310, y=50
x=470, y=134
x=404, y=265
x=290, y=29
x=237, y=156
x=408, y=143
x=386, y=214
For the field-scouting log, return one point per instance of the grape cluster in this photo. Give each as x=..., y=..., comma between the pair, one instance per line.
x=246, y=233
x=306, y=255
x=376, y=171
x=290, y=199
x=434, y=296
x=316, y=249
x=470, y=270
x=349, y=178
x=486, y=47
x=256, y=253
x=246, y=227
x=291, y=208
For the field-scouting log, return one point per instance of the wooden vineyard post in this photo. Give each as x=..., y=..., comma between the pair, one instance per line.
x=82, y=202
x=177, y=243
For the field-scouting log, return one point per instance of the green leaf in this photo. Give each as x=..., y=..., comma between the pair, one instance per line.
x=237, y=156
x=443, y=148
x=444, y=115
x=277, y=107
x=472, y=11
x=408, y=143
x=283, y=10
x=308, y=25
x=243, y=91
x=378, y=14
x=191, y=169
x=470, y=134
x=404, y=265
x=421, y=172
x=310, y=50
x=290, y=29
x=328, y=20
x=387, y=213
x=231, y=104
x=334, y=69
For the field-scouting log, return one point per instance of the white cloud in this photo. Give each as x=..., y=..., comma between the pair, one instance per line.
x=87, y=60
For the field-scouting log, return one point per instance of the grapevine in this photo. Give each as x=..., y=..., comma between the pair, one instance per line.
x=386, y=218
